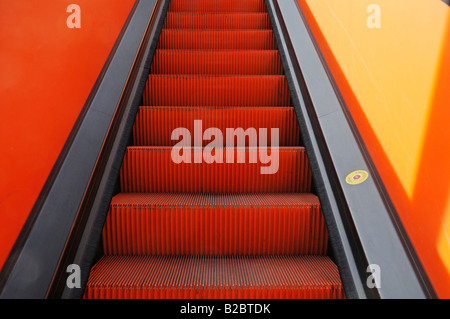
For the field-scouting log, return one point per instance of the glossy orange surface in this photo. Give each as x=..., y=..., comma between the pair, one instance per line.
x=47, y=72
x=394, y=80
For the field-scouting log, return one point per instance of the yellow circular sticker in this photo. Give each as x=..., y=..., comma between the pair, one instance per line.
x=357, y=177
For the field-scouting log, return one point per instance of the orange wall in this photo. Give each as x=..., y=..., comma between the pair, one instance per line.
x=395, y=81
x=47, y=72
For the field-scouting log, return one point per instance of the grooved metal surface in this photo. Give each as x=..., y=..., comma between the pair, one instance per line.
x=207, y=224
x=151, y=169
x=195, y=90
x=182, y=39
x=222, y=6
x=217, y=62
x=217, y=21
x=154, y=125
x=160, y=277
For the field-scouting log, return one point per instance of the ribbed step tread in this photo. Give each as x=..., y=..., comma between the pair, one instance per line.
x=217, y=62
x=217, y=40
x=215, y=21
x=223, y=6
x=160, y=277
x=152, y=170
x=215, y=225
x=191, y=90
x=154, y=124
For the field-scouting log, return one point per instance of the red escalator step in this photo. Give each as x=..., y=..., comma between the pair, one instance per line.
x=191, y=90
x=179, y=277
x=207, y=224
x=231, y=21
x=154, y=124
x=224, y=6
x=152, y=169
x=217, y=40
x=217, y=62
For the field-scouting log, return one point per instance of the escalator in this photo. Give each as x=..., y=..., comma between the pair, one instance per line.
x=215, y=157
x=213, y=225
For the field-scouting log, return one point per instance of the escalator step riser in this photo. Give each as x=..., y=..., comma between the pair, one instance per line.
x=224, y=6
x=161, y=277
x=154, y=124
x=217, y=40
x=152, y=169
x=251, y=21
x=215, y=225
x=217, y=62
x=173, y=90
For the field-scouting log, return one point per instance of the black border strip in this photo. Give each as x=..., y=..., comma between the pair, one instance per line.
x=31, y=265
x=364, y=227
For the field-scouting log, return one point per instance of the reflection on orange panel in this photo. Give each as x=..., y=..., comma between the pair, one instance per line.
x=161, y=277
x=217, y=62
x=229, y=21
x=154, y=125
x=206, y=224
x=217, y=6
x=399, y=101
x=217, y=40
x=173, y=90
x=151, y=169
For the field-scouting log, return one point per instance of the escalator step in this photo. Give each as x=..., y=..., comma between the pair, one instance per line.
x=217, y=62
x=217, y=40
x=207, y=224
x=230, y=21
x=160, y=277
x=154, y=124
x=152, y=169
x=192, y=90
x=224, y=6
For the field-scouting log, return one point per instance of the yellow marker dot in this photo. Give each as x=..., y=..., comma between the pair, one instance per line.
x=357, y=177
